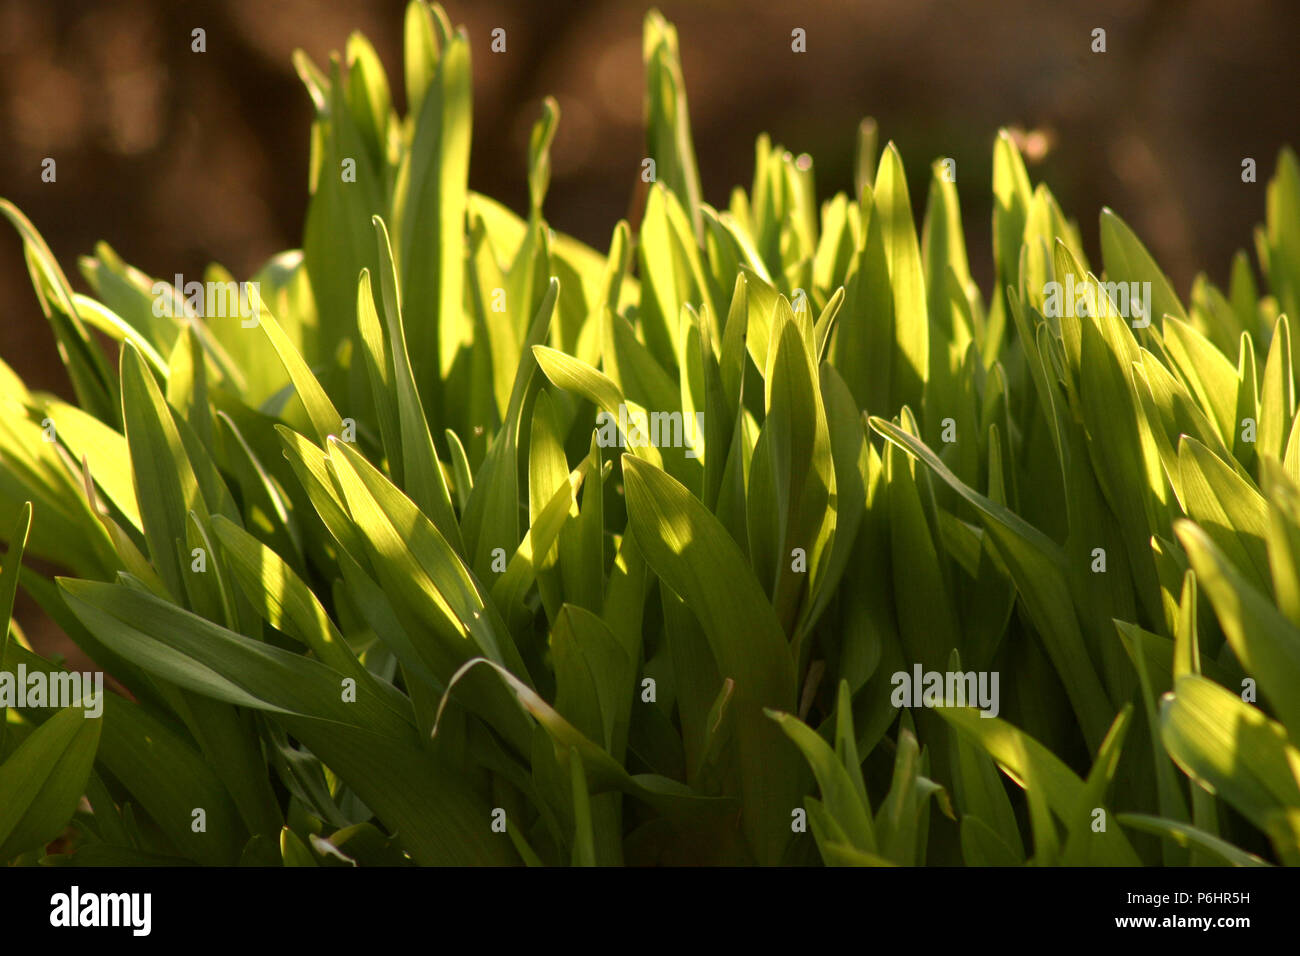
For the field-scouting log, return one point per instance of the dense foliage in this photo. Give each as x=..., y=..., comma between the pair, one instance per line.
x=382, y=589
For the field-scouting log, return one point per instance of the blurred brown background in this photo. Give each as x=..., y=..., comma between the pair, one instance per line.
x=180, y=158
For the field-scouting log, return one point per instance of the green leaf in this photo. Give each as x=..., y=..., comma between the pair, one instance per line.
x=44, y=778
x=1038, y=567
x=864, y=155
x=796, y=444
x=1011, y=198
x=1227, y=507
x=668, y=124
x=164, y=773
x=911, y=368
x=511, y=587
x=594, y=678
x=293, y=851
x=1277, y=400
x=335, y=246
x=9, y=583
x=1283, y=234
x=418, y=567
x=379, y=367
x=840, y=796
x=981, y=846
x=603, y=773
x=982, y=798
x=864, y=343
x=943, y=248
x=666, y=275
x=91, y=379
x=1082, y=847
x=324, y=417
x=574, y=375
x=1237, y=752
x=165, y=484
x=282, y=598
x=584, y=839
x=369, y=745
x=421, y=473
x=927, y=621
x=1184, y=834
x=1142, y=646
x=691, y=553
x=1266, y=643
x=268, y=511
x=1211, y=376
x=491, y=518
x=1127, y=260
x=1032, y=766
x=429, y=202
x=105, y=449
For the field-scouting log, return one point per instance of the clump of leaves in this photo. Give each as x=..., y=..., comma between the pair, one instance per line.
x=381, y=592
